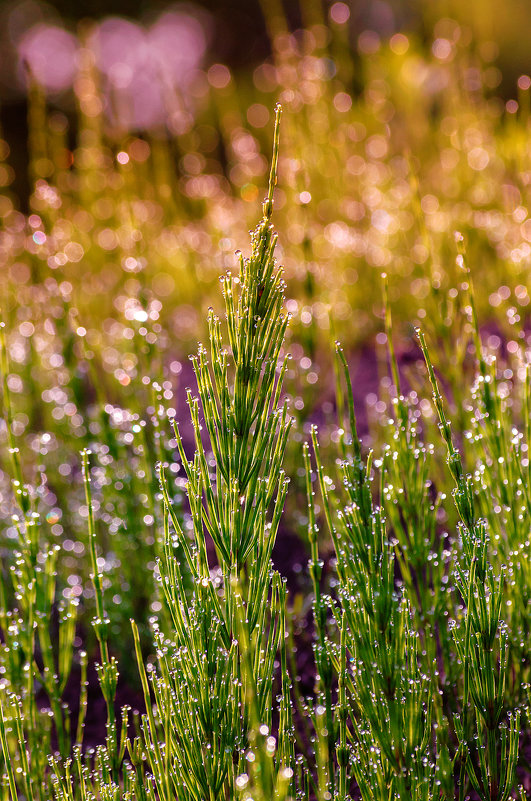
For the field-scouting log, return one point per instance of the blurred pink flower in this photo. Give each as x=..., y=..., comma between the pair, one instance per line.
x=123, y=56
x=142, y=65
x=145, y=70
x=50, y=53
x=121, y=49
x=177, y=42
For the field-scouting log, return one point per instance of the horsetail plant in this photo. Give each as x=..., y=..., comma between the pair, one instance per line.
x=390, y=697
x=503, y=488
x=107, y=669
x=214, y=678
x=30, y=654
x=488, y=757
x=411, y=506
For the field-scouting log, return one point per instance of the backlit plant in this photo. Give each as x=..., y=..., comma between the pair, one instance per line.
x=146, y=527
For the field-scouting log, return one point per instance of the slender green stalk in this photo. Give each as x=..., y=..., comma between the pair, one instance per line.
x=108, y=669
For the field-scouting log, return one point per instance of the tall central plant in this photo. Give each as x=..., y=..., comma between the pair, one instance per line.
x=213, y=682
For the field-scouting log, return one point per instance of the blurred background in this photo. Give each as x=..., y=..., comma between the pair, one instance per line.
x=144, y=50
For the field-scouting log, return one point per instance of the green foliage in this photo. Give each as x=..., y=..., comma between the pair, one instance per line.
x=148, y=562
